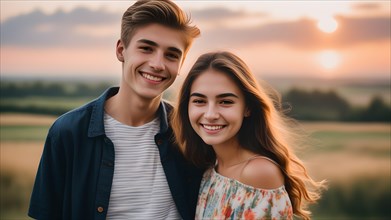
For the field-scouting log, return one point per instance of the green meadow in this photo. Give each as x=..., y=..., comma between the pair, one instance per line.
x=23, y=132
x=354, y=158
x=48, y=102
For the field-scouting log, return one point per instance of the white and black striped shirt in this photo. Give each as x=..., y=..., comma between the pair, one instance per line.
x=140, y=189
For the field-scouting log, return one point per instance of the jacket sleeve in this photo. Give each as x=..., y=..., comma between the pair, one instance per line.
x=48, y=192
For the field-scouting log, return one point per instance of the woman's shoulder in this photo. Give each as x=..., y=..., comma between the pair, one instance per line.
x=263, y=173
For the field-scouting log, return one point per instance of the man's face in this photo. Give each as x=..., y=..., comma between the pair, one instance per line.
x=151, y=61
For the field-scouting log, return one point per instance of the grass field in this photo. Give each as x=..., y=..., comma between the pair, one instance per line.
x=59, y=102
x=356, y=149
x=352, y=157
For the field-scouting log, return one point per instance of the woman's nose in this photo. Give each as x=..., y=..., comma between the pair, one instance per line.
x=211, y=113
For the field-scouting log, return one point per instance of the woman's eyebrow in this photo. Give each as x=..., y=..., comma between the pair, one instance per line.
x=223, y=95
x=198, y=95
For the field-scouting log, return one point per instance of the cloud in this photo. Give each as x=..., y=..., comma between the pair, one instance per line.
x=37, y=29
x=304, y=34
x=85, y=27
x=219, y=13
x=356, y=30
x=366, y=6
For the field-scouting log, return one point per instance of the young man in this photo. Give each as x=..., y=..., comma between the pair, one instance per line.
x=113, y=158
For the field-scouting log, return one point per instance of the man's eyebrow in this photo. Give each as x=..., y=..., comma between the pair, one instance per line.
x=145, y=41
x=223, y=95
x=153, y=43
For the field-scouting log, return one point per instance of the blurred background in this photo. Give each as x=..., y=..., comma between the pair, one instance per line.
x=329, y=60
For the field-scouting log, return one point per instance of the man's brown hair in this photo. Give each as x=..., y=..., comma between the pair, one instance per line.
x=164, y=12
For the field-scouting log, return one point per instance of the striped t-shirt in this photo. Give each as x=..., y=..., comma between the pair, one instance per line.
x=140, y=189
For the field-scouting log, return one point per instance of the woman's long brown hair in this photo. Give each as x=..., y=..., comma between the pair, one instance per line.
x=267, y=131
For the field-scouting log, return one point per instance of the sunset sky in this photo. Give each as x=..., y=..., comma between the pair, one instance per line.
x=326, y=39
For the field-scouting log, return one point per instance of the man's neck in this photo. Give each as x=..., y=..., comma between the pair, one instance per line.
x=133, y=111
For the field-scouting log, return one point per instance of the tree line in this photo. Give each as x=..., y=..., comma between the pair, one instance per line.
x=329, y=106
x=10, y=89
x=300, y=104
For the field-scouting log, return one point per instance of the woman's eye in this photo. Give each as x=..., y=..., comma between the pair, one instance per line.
x=227, y=102
x=198, y=101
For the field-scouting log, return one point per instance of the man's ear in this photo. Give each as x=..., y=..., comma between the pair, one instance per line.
x=119, y=50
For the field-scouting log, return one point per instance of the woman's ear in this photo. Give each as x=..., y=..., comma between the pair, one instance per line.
x=247, y=113
x=119, y=50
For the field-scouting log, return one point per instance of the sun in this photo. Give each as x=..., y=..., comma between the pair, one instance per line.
x=327, y=25
x=329, y=59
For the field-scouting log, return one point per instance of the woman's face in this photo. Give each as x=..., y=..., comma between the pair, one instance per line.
x=216, y=108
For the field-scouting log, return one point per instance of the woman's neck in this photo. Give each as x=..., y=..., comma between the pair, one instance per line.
x=230, y=155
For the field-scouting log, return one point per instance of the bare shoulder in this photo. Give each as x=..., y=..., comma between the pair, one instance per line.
x=262, y=173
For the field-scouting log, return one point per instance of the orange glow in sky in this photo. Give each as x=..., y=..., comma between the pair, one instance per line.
x=277, y=38
x=328, y=25
x=329, y=59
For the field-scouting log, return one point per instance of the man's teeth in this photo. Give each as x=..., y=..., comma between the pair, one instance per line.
x=213, y=127
x=153, y=78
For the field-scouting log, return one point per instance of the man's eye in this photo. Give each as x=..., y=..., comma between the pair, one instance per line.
x=147, y=49
x=172, y=56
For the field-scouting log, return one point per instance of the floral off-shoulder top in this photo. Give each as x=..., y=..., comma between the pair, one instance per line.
x=225, y=198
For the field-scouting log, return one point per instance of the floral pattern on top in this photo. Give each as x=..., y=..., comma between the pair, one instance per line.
x=225, y=198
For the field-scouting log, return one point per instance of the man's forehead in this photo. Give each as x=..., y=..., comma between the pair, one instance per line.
x=161, y=36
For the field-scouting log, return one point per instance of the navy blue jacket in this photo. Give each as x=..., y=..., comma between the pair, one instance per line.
x=75, y=173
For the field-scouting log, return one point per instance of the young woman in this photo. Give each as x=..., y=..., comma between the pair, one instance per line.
x=230, y=125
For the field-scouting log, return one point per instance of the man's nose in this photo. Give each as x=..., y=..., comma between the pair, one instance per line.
x=157, y=62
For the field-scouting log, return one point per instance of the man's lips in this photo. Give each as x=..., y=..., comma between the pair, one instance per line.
x=152, y=78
